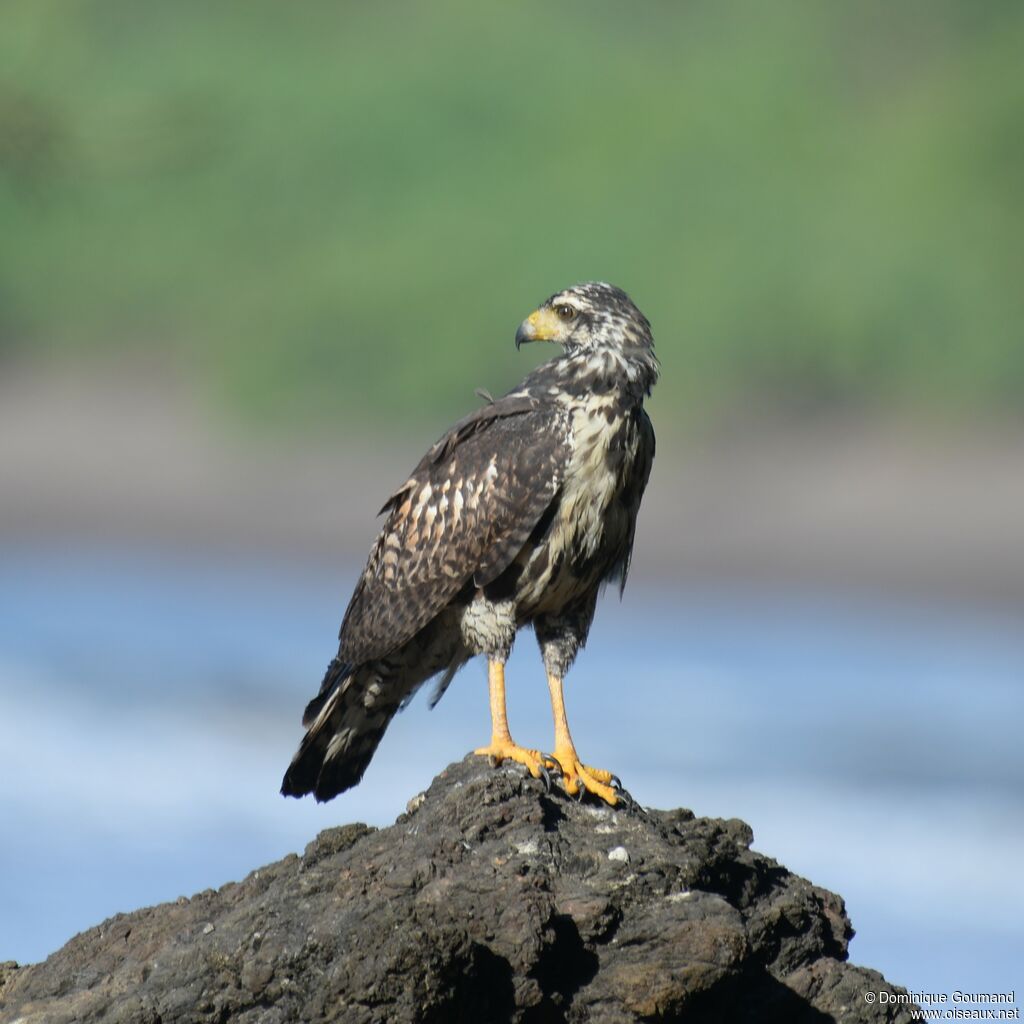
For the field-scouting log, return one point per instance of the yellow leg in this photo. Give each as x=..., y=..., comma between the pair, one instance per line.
x=502, y=746
x=575, y=774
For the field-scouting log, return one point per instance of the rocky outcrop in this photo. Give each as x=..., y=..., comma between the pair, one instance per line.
x=491, y=899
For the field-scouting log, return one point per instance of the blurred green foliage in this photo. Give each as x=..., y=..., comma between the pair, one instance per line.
x=331, y=207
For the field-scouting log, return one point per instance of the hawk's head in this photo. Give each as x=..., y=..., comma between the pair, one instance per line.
x=589, y=317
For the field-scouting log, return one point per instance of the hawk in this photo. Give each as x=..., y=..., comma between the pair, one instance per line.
x=517, y=516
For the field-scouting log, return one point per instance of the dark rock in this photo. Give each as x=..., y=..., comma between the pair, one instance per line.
x=489, y=900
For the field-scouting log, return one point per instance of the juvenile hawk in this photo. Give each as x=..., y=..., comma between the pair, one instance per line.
x=516, y=516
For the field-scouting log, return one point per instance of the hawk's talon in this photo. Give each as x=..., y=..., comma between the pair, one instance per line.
x=606, y=778
x=500, y=749
x=579, y=779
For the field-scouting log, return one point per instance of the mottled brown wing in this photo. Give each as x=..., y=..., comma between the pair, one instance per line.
x=633, y=492
x=463, y=515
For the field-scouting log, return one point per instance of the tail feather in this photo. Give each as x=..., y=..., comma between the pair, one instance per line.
x=346, y=722
x=337, y=672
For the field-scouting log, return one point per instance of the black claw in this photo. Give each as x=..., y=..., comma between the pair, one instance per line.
x=546, y=777
x=557, y=767
x=627, y=799
x=580, y=793
x=616, y=784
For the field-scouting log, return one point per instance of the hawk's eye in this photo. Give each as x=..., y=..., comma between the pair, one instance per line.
x=565, y=311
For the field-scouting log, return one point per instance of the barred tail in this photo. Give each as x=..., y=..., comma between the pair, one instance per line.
x=345, y=725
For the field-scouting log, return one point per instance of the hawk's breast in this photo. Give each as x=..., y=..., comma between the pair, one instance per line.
x=590, y=527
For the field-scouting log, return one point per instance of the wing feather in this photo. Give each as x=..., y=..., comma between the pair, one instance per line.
x=633, y=492
x=463, y=515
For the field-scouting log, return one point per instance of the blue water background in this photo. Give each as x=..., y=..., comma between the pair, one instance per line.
x=150, y=701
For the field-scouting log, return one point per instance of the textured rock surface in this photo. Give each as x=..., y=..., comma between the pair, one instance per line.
x=489, y=900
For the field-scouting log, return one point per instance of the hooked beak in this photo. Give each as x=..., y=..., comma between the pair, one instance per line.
x=541, y=325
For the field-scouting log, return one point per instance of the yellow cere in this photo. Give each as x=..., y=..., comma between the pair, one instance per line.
x=544, y=324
